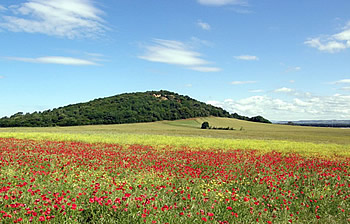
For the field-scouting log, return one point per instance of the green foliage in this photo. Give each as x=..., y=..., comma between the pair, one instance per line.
x=124, y=108
x=259, y=119
x=221, y=128
x=205, y=125
x=237, y=116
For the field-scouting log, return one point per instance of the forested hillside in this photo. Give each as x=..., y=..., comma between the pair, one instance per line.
x=124, y=108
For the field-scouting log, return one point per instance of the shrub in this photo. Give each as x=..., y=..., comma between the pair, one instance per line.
x=205, y=125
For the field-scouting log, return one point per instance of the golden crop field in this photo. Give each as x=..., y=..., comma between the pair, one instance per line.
x=247, y=135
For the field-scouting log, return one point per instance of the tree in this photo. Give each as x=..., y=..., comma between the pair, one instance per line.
x=205, y=125
x=259, y=119
x=124, y=108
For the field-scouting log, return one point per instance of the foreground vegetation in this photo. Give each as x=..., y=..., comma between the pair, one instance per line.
x=175, y=172
x=67, y=182
x=163, y=141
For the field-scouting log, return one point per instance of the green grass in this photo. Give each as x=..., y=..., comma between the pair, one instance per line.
x=187, y=133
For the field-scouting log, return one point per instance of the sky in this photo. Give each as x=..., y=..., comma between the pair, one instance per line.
x=284, y=60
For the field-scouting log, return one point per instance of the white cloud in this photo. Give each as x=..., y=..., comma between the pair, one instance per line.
x=343, y=81
x=333, y=43
x=292, y=81
x=256, y=91
x=203, y=25
x=221, y=2
x=63, y=18
x=1, y=77
x=301, y=103
x=97, y=55
x=54, y=60
x=284, y=90
x=313, y=107
x=177, y=53
x=331, y=46
x=347, y=88
x=242, y=82
x=172, y=52
x=247, y=57
x=206, y=69
x=196, y=42
x=2, y=8
x=293, y=69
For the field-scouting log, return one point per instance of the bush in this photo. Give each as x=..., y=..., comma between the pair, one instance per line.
x=205, y=125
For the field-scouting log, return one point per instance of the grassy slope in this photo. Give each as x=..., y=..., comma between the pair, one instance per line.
x=191, y=127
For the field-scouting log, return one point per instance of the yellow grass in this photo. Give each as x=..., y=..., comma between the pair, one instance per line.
x=191, y=128
x=303, y=148
x=187, y=133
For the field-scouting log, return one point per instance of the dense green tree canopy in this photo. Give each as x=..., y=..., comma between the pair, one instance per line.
x=124, y=108
x=205, y=125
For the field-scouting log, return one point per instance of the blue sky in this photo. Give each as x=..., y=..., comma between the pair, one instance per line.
x=284, y=60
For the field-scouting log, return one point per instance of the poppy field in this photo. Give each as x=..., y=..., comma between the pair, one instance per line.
x=71, y=182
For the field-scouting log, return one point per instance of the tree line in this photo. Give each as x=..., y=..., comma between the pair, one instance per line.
x=124, y=108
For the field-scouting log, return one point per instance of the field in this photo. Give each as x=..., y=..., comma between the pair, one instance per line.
x=191, y=127
x=174, y=172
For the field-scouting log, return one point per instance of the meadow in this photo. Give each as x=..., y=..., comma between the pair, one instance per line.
x=191, y=128
x=174, y=172
x=187, y=133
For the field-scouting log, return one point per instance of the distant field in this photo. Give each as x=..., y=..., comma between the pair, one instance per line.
x=191, y=127
x=187, y=133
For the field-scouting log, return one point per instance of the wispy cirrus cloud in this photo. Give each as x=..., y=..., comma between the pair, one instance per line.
x=242, y=82
x=222, y=2
x=347, y=88
x=2, y=8
x=293, y=69
x=332, y=43
x=205, y=69
x=54, y=60
x=63, y=18
x=176, y=53
x=256, y=91
x=247, y=57
x=203, y=25
x=342, y=81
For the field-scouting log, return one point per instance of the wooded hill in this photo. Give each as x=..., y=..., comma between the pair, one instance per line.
x=124, y=108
